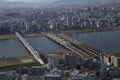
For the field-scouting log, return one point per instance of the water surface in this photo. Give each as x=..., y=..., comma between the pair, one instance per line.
x=12, y=48
x=107, y=40
x=44, y=45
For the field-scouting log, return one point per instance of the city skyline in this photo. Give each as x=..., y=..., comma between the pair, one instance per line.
x=59, y=40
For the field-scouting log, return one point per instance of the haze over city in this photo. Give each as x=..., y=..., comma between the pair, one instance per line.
x=38, y=3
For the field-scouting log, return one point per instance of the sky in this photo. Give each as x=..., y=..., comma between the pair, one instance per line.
x=24, y=3
x=36, y=1
x=29, y=3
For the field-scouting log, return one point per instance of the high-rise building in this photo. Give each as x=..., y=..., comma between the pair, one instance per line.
x=69, y=22
x=71, y=61
x=116, y=61
x=61, y=25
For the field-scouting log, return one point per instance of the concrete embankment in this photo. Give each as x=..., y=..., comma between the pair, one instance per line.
x=9, y=36
x=17, y=61
x=11, y=63
x=12, y=36
x=90, y=30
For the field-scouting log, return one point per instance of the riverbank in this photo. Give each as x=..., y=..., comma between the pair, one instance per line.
x=33, y=35
x=13, y=36
x=89, y=30
x=17, y=61
x=13, y=63
x=7, y=36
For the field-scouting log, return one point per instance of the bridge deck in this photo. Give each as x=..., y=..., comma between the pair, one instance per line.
x=80, y=48
x=66, y=45
x=30, y=49
x=92, y=51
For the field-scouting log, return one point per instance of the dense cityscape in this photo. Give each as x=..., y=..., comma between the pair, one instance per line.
x=80, y=61
x=37, y=20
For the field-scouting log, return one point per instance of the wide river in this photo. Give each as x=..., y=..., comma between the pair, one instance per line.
x=107, y=40
x=14, y=48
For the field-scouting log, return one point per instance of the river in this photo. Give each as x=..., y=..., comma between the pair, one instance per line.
x=14, y=48
x=107, y=40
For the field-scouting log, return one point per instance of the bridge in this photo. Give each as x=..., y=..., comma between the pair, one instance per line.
x=30, y=48
x=80, y=48
x=89, y=49
x=66, y=44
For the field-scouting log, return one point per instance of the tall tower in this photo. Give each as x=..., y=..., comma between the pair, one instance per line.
x=26, y=26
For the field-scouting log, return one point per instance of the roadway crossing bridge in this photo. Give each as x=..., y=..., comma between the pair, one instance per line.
x=30, y=48
x=75, y=46
x=89, y=49
x=66, y=44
